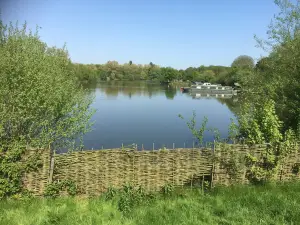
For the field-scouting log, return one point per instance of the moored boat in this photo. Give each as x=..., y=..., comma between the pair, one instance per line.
x=209, y=88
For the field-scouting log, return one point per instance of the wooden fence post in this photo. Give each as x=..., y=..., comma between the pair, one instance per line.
x=193, y=169
x=213, y=166
x=281, y=171
x=52, y=162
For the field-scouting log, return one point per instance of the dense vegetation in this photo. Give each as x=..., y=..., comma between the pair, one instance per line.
x=236, y=205
x=41, y=103
x=112, y=70
x=243, y=62
x=270, y=111
x=276, y=79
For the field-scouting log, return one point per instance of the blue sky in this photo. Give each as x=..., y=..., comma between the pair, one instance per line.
x=177, y=33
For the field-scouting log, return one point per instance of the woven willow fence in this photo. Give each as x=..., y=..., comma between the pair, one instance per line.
x=95, y=171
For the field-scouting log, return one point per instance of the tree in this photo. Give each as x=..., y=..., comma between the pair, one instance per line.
x=154, y=72
x=277, y=76
x=201, y=69
x=143, y=75
x=285, y=26
x=208, y=76
x=168, y=74
x=189, y=74
x=243, y=62
x=41, y=103
x=262, y=64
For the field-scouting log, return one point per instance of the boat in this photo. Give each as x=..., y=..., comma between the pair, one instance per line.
x=209, y=88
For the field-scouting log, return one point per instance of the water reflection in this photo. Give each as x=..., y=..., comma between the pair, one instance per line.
x=170, y=92
x=210, y=95
x=132, y=88
x=145, y=113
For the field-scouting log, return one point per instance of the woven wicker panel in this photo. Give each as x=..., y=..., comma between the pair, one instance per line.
x=95, y=171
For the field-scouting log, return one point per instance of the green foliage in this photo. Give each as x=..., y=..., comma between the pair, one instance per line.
x=216, y=133
x=234, y=165
x=168, y=74
x=41, y=103
x=12, y=170
x=112, y=70
x=275, y=80
x=167, y=190
x=56, y=188
x=277, y=76
x=260, y=124
x=257, y=125
x=170, y=93
x=130, y=197
x=110, y=193
x=233, y=131
x=243, y=62
x=208, y=75
x=87, y=73
x=197, y=133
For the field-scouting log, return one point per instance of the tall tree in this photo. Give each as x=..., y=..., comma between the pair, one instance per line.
x=243, y=62
x=278, y=75
x=168, y=74
x=41, y=103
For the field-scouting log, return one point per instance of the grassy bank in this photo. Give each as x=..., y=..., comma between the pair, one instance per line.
x=235, y=205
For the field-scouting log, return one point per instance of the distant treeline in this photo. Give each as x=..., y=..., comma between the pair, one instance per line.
x=112, y=70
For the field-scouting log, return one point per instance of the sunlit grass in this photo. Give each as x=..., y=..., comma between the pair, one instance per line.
x=271, y=204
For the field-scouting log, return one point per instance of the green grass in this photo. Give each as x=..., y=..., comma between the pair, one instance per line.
x=271, y=204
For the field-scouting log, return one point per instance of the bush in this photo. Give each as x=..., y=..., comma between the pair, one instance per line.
x=41, y=103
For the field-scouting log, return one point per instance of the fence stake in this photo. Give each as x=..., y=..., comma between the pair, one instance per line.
x=193, y=144
x=102, y=146
x=142, y=146
x=122, y=146
x=213, y=167
x=212, y=176
x=51, y=169
x=202, y=184
x=193, y=168
x=184, y=145
x=173, y=145
x=153, y=146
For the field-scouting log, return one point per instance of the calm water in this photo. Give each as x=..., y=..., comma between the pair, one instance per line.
x=147, y=113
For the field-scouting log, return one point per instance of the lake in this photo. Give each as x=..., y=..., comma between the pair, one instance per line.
x=146, y=113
